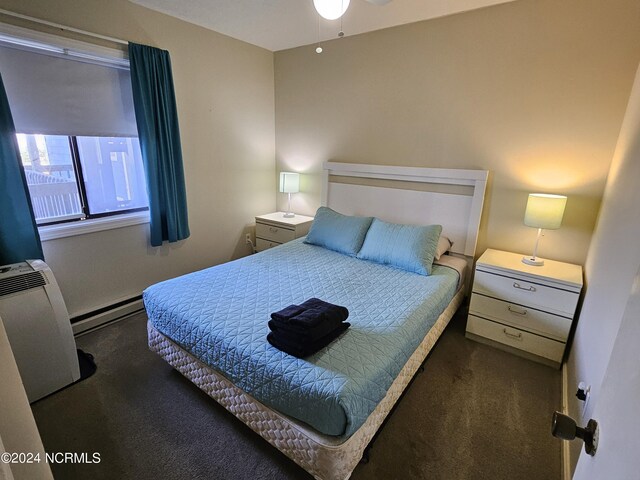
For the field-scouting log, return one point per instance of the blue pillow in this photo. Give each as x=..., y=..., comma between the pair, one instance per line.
x=338, y=232
x=408, y=247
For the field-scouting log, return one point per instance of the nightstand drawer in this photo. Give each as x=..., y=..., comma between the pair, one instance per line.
x=554, y=300
x=274, y=233
x=513, y=337
x=526, y=318
x=262, y=245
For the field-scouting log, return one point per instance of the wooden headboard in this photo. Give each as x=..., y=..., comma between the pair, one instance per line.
x=419, y=196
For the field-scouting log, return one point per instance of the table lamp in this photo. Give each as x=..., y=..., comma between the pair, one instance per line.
x=289, y=183
x=544, y=211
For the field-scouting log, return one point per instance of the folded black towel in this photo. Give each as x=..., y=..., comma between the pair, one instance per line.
x=302, y=350
x=302, y=330
x=287, y=313
x=311, y=324
x=334, y=312
x=310, y=313
x=298, y=334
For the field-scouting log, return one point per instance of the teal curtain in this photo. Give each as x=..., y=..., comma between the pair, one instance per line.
x=157, y=119
x=19, y=237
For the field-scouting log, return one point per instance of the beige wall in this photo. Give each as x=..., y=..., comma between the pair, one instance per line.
x=225, y=98
x=612, y=263
x=533, y=90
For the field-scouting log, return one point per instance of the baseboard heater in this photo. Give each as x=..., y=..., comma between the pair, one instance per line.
x=105, y=315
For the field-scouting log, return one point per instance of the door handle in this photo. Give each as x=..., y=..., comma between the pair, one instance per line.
x=565, y=428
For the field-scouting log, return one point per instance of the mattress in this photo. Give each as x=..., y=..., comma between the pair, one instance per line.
x=219, y=315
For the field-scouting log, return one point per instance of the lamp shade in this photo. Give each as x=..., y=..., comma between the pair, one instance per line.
x=544, y=211
x=331, y=9
x=289, y=182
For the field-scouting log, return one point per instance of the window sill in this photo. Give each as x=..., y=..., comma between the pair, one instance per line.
x=81, y=227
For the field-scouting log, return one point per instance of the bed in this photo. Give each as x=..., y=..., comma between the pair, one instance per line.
x=323, y=410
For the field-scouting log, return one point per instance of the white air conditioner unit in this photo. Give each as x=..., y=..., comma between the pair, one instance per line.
x=37, y=323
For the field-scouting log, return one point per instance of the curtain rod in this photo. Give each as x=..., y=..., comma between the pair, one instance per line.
x=63, y=27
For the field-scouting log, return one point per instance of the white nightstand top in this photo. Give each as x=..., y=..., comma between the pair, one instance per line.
x=565, y=273
x=278, y=217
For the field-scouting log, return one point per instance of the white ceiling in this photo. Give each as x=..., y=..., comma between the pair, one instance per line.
x=281, y=24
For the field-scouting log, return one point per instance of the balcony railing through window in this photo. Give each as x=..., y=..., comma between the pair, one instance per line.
x=73, y=178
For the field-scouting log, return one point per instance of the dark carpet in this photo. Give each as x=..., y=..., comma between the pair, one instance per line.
x=474, y=413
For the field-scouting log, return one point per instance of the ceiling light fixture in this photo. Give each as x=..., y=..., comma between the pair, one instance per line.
x=331, y=9
x=335, y=9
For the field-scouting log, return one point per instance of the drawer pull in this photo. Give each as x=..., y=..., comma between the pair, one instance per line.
x=273, y=230
x=517, y=312
x=528, y=289
x=515, y=336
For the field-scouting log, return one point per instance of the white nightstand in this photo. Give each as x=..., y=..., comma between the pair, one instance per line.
x=274, y=229
x=524, y=309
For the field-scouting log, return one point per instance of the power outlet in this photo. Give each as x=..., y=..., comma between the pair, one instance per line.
x=247, y=239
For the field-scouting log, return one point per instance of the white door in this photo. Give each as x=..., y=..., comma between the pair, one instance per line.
x=617, y=411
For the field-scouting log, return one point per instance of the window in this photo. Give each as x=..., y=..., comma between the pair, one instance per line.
x=112, y=173
x=72, y=104
x=74, y=178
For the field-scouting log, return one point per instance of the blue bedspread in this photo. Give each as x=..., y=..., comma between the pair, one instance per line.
x=220, y=315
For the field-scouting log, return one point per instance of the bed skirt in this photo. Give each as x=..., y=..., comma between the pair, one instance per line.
x=323, y=456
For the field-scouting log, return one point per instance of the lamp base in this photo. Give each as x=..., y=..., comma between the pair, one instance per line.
x=289, y=215
x=535, y=261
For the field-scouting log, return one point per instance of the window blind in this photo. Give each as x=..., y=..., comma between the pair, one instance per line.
x=56, y=94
